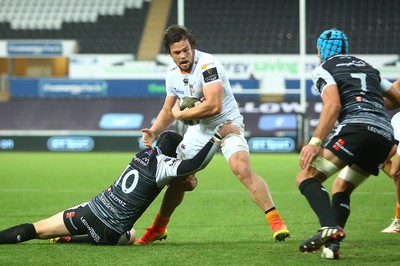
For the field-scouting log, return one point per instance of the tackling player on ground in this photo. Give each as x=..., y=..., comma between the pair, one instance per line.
x=108, y=218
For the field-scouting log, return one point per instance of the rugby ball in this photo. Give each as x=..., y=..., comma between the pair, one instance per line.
x=189, y=102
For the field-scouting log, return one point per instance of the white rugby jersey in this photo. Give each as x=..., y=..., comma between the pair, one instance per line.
x=396, y=127
x=206, y=70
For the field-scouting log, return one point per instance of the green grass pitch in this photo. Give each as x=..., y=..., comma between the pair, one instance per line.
x=217, y=224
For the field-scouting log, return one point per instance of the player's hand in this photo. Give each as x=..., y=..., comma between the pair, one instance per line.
x=148, y=137
x=308, y=154
x=227, y=129
x=176, y=110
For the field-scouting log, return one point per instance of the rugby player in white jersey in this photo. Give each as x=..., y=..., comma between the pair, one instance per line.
x=199, y=74
x=392, y=168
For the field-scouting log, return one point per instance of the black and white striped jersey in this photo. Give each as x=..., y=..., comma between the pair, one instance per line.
x=122, y=204
x=360, y=89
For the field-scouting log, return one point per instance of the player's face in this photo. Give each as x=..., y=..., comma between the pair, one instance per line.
x=182, y=54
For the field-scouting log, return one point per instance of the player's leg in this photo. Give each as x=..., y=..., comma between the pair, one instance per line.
x=78, y=239
x=70, y=217
x=17, y=234
x=346, y=182
x=236, y=152
x=193, y=140
x=43, y=229
x=309, y=181
x=239, y=163
x=172, y=198
x=394, y=227
x=51, y=227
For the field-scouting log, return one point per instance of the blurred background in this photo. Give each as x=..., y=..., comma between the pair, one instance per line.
x=88, y=75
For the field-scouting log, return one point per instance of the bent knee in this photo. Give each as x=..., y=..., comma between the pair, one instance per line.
x=190, y=183
x=187, y=183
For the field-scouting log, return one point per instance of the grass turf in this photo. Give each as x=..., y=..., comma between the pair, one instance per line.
x=217, y=224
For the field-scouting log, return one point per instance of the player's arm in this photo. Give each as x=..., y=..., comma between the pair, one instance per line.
x=330, y=111
x=213, y=93
x=392, y=94
x=328, y=117
x=204, y=156
x=212, y=105
x=163, y=121
x=164, y=118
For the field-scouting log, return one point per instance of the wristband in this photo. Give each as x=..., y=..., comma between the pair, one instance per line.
x=315, y=141
x=217, y=138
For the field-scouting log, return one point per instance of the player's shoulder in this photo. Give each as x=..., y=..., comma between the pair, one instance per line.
x=318, y=71
x=173, y=68
x=173, y=74
x=206, y=60
x=144, y=158
x=203, y=56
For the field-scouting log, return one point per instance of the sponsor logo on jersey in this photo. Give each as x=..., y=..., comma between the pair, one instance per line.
x=141, y=161
x=320, y=84
x=178, y=91
x=91, y=230
x=381, y=132
x=210, y=75
x=353, y=63
x=339, y=145
x=69, y=214
x=116, y=199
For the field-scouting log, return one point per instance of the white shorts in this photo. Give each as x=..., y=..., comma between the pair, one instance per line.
x=197, y=136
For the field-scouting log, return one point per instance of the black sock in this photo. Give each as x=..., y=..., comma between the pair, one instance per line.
x=269, y=210
x=17, y=234
x=80, y=239
x=341, y=207
x=318, y=198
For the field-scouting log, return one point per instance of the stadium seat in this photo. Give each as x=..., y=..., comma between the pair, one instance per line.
x=224, y=27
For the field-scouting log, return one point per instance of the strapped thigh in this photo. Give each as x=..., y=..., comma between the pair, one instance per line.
x=352, y=176
x=325, y=166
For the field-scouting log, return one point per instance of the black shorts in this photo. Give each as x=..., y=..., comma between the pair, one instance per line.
x=80, y=220
x=367, y=146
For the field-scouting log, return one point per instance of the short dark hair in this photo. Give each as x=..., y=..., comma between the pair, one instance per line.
x=168, y=141
x=176, y=33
